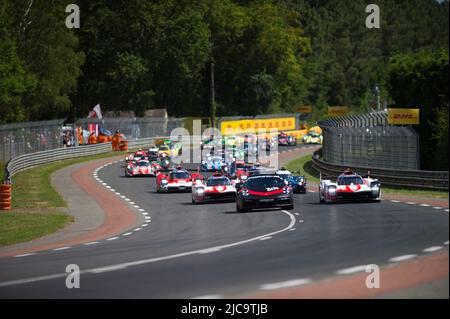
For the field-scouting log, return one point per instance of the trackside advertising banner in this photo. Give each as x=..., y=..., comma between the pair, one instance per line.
x=403, y=116
x=337, y=110
x=304, y=109
x=253, y=125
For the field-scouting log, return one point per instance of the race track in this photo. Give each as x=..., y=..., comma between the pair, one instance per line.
x=188, y=251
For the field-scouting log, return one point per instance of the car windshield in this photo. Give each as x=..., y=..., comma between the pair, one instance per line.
x=264, y=183
x=179, y=175
x=355, y=180
x=218, y=182
x=163, y=148
x=143, y=164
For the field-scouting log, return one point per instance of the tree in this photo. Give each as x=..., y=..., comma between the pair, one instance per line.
x=420, y=80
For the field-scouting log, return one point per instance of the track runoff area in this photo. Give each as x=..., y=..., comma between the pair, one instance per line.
x=209, y=249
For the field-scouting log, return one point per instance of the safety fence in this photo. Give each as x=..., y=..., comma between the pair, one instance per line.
x=28, y=137
x=368, y=141
x=433, y=180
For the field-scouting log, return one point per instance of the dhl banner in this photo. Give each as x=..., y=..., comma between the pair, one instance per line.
x=304, y=109
x=253, y=125
x=337, y=110
x=403, y=116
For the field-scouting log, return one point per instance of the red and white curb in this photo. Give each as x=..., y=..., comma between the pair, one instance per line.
x=146, y=217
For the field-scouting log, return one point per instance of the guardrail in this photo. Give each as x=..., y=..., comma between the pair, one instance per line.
x=433, y=180
x=22, y=162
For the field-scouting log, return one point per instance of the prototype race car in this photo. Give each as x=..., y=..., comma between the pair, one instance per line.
x=284, y=139
x=164, y=149
x=349, y=186
x=141, y=168
x=216, y=188
x=177, y=180
x=213, y=163
x=297, y=182
x=312, y=138
x=136, y=156
x=264, y=191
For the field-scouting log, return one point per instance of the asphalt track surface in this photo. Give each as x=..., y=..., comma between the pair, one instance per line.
x=189, y=251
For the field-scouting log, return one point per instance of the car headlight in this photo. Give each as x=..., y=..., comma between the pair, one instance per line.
x=302, y=180
x=203, y=162
x=200, y=191
x=164, y=181
x=244, y=192
x=332, y=190
x=244, y=177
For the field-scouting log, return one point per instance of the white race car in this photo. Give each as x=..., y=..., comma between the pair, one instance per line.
x=349, y=186
x=216, y=188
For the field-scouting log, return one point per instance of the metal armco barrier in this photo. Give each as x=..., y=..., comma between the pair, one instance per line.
x=433, y=180
x=22, y=162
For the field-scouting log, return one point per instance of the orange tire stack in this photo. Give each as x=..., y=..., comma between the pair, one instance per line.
x=123, y=145
x=5, y=196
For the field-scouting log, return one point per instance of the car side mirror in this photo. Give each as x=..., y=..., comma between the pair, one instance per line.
x=238, y=186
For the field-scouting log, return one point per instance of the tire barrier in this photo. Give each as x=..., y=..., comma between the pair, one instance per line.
x=5, y=196
x=123, y=145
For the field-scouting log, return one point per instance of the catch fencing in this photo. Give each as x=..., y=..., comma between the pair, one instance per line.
x=368, y=141
x=29, y=137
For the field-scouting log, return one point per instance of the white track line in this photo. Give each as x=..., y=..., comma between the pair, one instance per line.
x=265, y=238
x=351, y=270
x=113, y=238
x=24, y=255
x=285, y=284
x=150, y=260
x=61, y=248
x=91, y=243
x=432, y=249
x=402, y=258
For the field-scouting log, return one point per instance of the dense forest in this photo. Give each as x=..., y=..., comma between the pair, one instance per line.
x=269, y=56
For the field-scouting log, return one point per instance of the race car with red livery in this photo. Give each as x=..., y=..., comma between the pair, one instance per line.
x=141, y=168
x=136, y=156
x=264, y=191
x=177, y=180
x=286, y=140
x=216, y=188
x=349, y=187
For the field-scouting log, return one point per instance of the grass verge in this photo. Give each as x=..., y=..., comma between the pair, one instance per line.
x=36, y=204
x=305, y=165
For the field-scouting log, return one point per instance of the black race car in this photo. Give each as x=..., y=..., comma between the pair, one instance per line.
x=264, y=191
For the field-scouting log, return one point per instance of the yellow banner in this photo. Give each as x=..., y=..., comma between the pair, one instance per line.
x=403, y=116
x=337, y=110
x=304, y=109
x=253, y=125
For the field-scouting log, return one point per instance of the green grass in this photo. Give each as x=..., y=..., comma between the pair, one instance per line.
x=305, y=165
x=36, y=206
x=2, y=171
x=19, y=227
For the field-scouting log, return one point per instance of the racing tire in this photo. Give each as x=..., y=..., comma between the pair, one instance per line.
x=290, y=207
x=321, y=199
x=240, y=210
